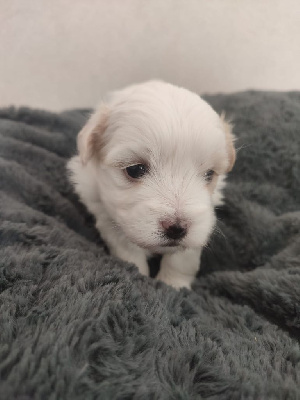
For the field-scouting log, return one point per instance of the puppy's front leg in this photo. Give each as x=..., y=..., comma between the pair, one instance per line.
x=132, y=255
x=118, y=243
x=179, y=269
x=121, y=248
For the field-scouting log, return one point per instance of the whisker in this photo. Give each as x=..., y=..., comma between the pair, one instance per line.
x=242, y=147
x=219, y=230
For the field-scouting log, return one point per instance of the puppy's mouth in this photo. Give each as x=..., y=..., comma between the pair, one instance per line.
x=164, y=247
x=172, y=243
x=169, y=247
x=160, y=245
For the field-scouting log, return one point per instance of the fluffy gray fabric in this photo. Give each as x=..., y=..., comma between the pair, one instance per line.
x=79, y=324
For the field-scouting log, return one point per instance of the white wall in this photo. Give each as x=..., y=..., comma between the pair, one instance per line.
x=65, y=53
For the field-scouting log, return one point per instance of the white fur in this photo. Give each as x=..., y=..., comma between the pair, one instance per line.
x=180, y=137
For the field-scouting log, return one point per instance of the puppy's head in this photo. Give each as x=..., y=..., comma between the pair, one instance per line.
x=157, y=152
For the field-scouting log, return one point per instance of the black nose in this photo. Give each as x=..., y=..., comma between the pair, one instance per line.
x=175, y=232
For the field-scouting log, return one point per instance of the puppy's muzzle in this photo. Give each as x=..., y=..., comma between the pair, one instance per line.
x=174, y=231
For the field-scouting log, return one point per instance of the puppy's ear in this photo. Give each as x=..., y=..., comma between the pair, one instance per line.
x=227, y=127
x=89, y=140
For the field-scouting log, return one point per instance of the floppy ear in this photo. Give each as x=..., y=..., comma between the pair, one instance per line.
x=227, y=127
x=89, y=139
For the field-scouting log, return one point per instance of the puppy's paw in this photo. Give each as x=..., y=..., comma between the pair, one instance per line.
x=179, y=269
x=175, y=280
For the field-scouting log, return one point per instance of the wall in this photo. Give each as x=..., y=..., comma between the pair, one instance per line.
x=65, y=53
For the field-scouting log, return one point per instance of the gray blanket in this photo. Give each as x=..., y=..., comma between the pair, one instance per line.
x=76, y=323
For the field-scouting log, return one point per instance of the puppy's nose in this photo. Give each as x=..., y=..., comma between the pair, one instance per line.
x=174, y=231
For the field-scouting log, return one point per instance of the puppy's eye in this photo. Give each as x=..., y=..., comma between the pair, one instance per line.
x=136, y=171
x=208, y=176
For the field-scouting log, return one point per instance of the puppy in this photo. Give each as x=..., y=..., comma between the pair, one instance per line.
x=150, y=168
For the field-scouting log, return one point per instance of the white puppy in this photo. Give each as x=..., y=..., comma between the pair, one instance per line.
x=150, y=168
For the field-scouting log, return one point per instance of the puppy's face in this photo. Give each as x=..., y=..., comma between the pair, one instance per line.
x=157, y=151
